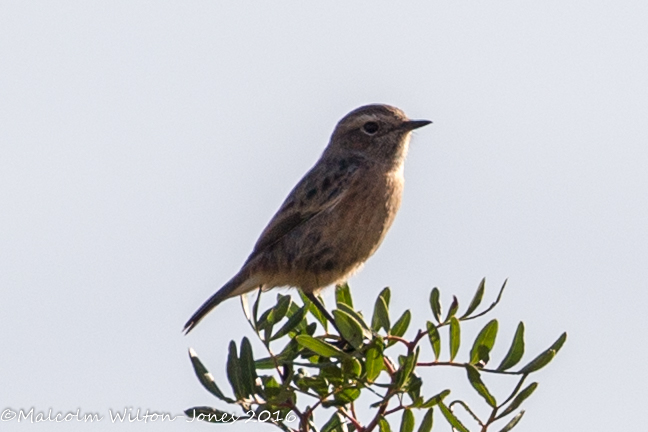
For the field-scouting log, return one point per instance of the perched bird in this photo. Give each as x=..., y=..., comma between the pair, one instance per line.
x=336, y=216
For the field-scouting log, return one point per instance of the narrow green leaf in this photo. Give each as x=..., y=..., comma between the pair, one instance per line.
x=434, y=400
x=477, y=299
x=516, y=351
x=343, y=295
x=380, y=315
x=255, y=309
x=455, y=337
x=265, y=319
x=286, y=356
x=478, y=384
x=351, y=329
x=294, y=321
x=273, y=315
x=248, y=370
x=484, y=343
x=521, y=397
x=406, y=368
x=319, y=316
x=334, y=424
x=206, y=378
x=413, y=388
x=373, y=363
x=383, y=425
x=234, y=373
x=435, y=339
x=559, y=343
x=510, y=425
x=386, y=294
x=282, y=306
x=351, y=367
x=347, y=395
x=454, y=306
x=400, y=327
x=539, y=362
x=545, y=357
x=428, y=421
x=265, y=363
x=320, y=347
x=358, y=317
x=452, y=419
x=407, y=421
x=435, y=304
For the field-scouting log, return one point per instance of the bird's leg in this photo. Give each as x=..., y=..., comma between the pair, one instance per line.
x=320, y=306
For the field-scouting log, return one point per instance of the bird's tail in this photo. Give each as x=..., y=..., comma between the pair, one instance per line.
x=239, y=284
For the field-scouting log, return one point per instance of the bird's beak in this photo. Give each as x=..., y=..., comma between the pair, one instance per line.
x=414, y=124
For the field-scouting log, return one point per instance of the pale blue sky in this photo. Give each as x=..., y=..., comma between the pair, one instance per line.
x=144, y=146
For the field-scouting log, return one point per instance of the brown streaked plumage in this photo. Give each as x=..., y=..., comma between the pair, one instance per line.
x=337, y=215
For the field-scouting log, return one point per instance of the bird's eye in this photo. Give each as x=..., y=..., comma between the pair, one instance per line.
x=370, y=128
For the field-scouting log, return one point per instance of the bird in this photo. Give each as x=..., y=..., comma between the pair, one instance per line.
x=336, y=216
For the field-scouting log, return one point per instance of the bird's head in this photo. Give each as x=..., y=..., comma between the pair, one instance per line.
x=380, y=132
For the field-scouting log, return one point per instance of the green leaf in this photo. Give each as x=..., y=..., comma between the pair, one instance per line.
x=455, y=337
x=484, y=343
x=435, y=304
x=351, y=329
x=510, y=425
x=274, y=315
x=351, y=367
x=434, y=400
x=255, y=309
x=435, y=339
x=478, y=384
x=234, y=373
x=334, y=424
x=286, y=356
x=386, y=294
x=516, y=351
x=426, y=424
x=521, y=397
x=248, y=370
x=454, y=306
x=383, y=426
x=452, y=419
x=401, y=325
x=320, y=347
x=294, y=321
x=265, y=320
x=413, y=387
x=319, y=316
x=282, y=306
x=559, y=343
x=343, y=295
x=539, y=362
x=358, y=317
x=205, y=378
x=545, y=357
x=381, y=315
x=265, y=363
x=347, y=395
x=477, y=299
x=373, y=363
x=407, y=366
x=407, y=421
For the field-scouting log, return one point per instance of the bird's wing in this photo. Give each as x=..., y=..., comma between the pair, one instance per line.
x=320, y=190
